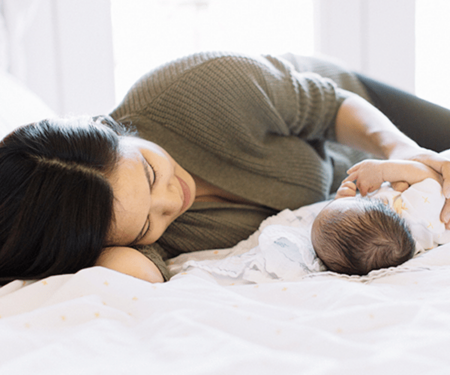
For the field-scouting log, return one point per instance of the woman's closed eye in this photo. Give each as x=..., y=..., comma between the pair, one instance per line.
x=144, y=231
x=151, y=182
x=148, y=166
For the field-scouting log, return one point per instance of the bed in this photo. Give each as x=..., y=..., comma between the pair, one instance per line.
x=265, y=306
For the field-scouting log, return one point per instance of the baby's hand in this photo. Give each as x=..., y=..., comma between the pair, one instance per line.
x=347, y=189
x=368, y=175
x=400, y=186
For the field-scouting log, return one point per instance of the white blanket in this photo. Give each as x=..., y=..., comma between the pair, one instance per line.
x=304, y=321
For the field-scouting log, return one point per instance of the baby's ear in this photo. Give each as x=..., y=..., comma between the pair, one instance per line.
x=400, y=186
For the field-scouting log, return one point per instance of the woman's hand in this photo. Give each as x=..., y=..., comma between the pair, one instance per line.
x=438, y=163
x=360, y=125
x=441, y=165
x=414, y=167
x=130, y=262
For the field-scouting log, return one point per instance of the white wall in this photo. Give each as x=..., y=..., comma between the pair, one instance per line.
x=374, y=37
x=69, y=55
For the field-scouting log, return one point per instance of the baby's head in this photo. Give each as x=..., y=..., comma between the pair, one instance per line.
x=357, y=235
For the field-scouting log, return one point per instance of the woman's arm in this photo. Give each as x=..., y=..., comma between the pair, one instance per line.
x=130, y=262
x=362, y=126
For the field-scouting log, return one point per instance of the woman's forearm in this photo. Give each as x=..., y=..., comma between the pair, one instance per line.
x=362, y=126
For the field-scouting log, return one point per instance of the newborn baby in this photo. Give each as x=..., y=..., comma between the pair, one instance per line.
x=355, y=235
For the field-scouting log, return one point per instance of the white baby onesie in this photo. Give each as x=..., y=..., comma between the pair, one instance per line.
x=420, y=205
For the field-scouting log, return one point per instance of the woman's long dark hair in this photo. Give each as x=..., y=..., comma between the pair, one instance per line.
x=56, y=203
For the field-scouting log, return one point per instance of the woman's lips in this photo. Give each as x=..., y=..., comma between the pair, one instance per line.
x=186, y=194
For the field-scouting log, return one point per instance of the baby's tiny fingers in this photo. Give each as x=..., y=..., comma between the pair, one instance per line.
x=349, y=185
x=400, y=186
x=353, y=168
x=364, y=188
x=353, y=176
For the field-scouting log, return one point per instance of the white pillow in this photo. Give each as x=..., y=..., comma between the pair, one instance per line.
x=19, y=105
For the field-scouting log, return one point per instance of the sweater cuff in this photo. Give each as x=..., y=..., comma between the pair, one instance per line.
x=341, y=95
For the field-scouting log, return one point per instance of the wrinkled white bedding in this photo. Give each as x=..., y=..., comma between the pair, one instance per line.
x=212, y=318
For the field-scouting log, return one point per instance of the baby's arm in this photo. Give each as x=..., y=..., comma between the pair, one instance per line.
x=370, y=174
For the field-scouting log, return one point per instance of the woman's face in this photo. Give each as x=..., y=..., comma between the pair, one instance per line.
x=151, y=190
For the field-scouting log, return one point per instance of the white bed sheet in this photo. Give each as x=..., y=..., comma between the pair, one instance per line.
x=99, y=321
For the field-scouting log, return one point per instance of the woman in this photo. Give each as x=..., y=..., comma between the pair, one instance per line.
x=236, y=139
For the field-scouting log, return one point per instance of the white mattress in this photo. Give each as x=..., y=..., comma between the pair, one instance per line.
x=98, y=321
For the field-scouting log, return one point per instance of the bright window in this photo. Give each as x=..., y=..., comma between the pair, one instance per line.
x=433, y=51
x=148, y=33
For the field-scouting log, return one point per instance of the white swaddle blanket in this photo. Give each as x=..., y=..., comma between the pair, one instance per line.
x=280, y=250
x=420, y=205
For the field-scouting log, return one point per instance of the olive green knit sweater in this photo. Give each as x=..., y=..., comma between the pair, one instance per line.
x=256, y=127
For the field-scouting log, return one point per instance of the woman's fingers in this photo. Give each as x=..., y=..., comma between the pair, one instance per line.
x=441, y=165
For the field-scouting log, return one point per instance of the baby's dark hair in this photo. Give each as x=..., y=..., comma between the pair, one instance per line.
x=56, y=203
x=356, y=242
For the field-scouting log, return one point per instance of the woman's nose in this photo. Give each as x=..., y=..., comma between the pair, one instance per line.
x=166, y=200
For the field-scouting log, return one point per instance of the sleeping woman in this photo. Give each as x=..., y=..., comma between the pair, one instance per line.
x=198, y=154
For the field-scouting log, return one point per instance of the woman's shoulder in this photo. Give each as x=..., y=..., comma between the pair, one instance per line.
x=194, y=66
x=185, y=76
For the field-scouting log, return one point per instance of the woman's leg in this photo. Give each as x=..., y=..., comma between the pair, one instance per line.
x=426, y=123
